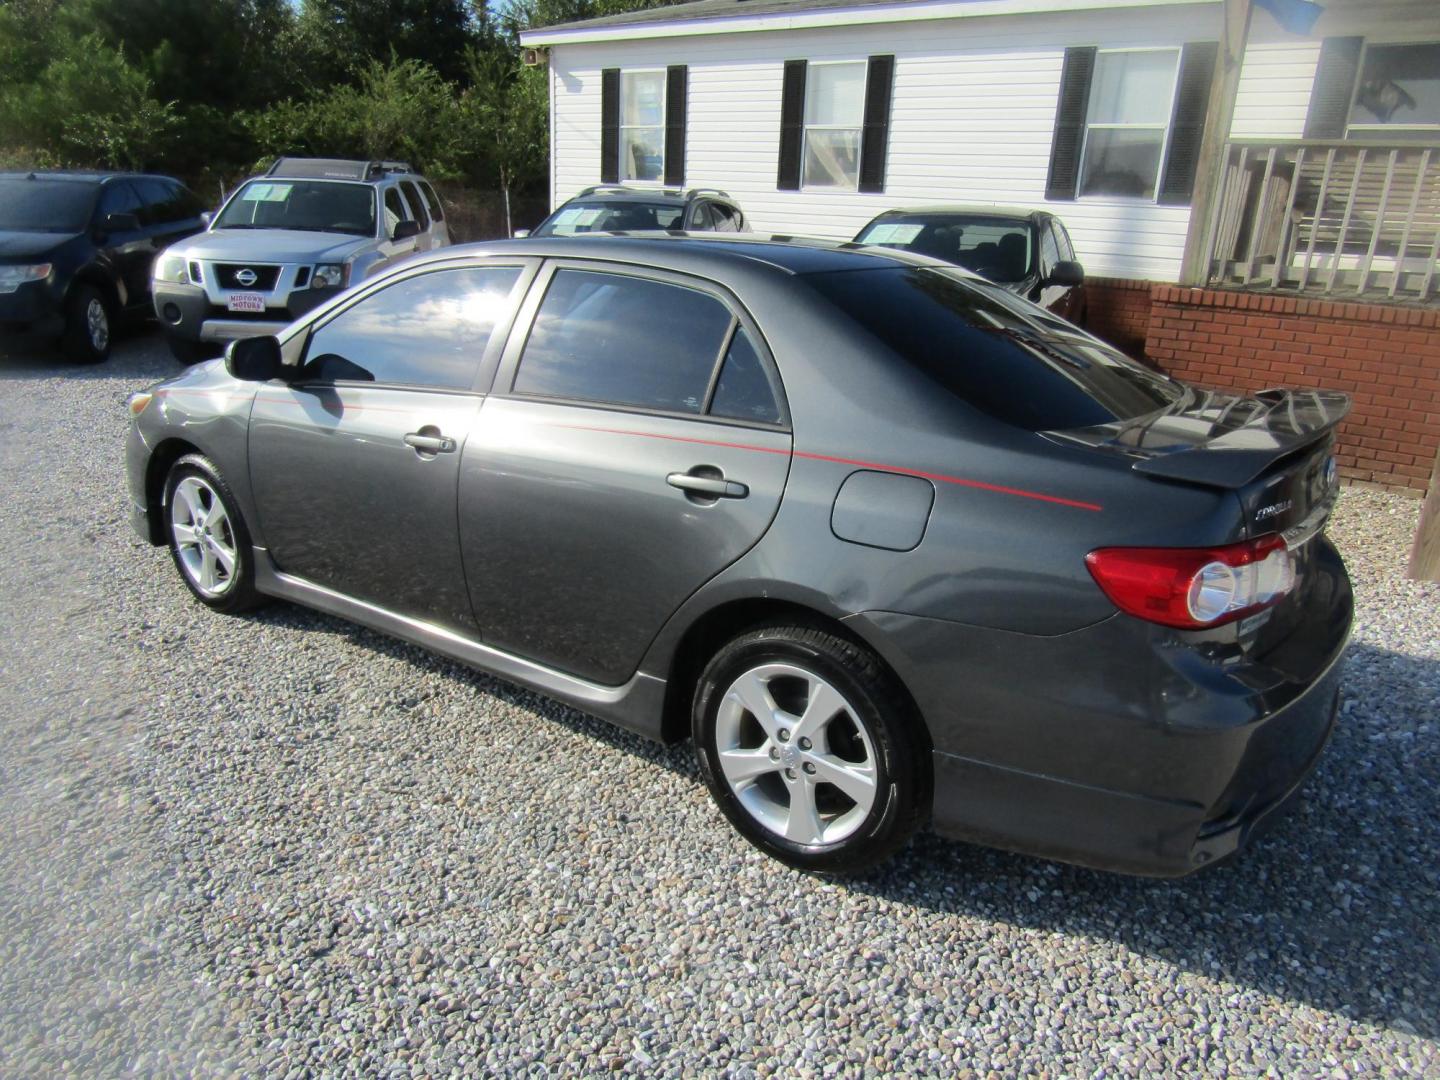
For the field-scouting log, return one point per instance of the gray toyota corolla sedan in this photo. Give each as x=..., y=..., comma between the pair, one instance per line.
x=892, y=544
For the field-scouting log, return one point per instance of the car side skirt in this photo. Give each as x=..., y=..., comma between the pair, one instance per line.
x=636, y=705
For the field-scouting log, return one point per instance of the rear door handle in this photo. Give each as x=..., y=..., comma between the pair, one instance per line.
x=716, y=487
x=430, y=444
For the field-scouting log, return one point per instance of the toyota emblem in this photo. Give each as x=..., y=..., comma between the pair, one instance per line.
x=245, y=277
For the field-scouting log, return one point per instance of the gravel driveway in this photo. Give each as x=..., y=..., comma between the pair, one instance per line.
x=282, y=843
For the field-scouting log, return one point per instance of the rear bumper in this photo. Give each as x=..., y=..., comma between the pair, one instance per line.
x=1121, y=746
x=1121, y=831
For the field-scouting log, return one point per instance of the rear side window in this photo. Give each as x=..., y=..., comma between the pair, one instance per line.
x=412, y=196
x=742, y=391
x=625, y=341
x=1003, y=356
x=437, y=212
x=430, y=330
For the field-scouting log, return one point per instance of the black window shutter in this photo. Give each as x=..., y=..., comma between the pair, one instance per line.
x=1070, y=113
x=610, y=126
x=1334, y=87
x=1187, y=125
x=792, y=125
x=676, y=81
x=879, y=83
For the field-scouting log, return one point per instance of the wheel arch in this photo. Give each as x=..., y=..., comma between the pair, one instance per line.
x=96, y=278
x=162, y=459
x=708, y=632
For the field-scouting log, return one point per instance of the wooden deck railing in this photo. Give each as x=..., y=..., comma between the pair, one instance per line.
x=1349, y=219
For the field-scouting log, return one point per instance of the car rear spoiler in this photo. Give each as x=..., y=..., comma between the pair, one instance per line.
x=1221, y=440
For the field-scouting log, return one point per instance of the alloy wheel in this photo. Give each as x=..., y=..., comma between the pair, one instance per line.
x=204, y=537
x=796, y=754
x=97, y=324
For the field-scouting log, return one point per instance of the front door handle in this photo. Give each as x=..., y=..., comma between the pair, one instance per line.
x=428, y=440
x=706, y=484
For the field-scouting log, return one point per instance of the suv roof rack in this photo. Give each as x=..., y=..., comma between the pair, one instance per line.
x=698, y=191
x=603, y=188
x=335, y=168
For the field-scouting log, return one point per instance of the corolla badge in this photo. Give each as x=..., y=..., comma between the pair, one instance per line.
x=1273, y=509
x=246, y=277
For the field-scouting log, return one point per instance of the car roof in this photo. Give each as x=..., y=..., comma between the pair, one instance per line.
x=788, y=254
x=619, y=193
x=958, y=210
x=79, y=175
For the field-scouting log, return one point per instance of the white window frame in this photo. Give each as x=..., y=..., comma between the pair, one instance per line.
x=1165, y=129
x=1379, y=131
x=859, y=128
x=624, y=127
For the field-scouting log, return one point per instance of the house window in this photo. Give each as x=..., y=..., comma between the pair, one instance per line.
x=642, y=125
x=834, y=118
x=1397, y=95
x=1132, y=98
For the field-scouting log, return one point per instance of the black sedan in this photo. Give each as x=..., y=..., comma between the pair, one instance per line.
x=76, y=251
x=890, y=543
x=1027, y=252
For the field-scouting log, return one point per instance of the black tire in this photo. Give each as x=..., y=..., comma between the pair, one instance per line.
x=900, y=759
x=232, y=590
x=89, y=326
x=189, y=352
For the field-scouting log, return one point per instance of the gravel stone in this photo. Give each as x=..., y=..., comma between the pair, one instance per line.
x=283, y=845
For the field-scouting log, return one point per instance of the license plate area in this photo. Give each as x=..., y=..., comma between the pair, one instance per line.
x=249, y=302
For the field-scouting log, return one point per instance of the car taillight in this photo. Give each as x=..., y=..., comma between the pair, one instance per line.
x=1195, y=588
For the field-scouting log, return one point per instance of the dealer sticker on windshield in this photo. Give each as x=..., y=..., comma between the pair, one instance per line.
x=246, y=301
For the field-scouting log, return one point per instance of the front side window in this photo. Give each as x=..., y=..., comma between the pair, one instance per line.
x=1131, y=101
x=642, y=125
x=430, y=330
x=395, y=211
x=306, y=205
x=834, y=117
x=631, y=341
x=118, y=197
x=1398, y=93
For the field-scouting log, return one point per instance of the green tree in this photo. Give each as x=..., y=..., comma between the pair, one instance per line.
x=338, y=37
x=505, y=123
x=87, y=106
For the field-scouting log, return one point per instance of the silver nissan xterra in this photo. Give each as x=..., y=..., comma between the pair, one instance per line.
x=287, y=241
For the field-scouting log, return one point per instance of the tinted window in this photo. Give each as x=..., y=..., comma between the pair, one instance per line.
x=743, y=392
x=624, y=340
x=1062, y=240
x=45, y=205
x=395, y=211
x=307, y=205
x=1007, y=358
x=167, y=202
x=117, y=197
x=412, y=196
x=429, y=330
x=1049, y=252
x=726, y=220
x=581, y=217
x=432, y=201
x=701, y=218
x=996, y=248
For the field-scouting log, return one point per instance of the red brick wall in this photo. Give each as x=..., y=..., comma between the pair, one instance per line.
x=1118, y=310
x=1386, y=358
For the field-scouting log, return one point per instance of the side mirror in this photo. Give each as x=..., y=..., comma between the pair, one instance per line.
x=254, y=359
x=1067, y=273
x=406, y=229
x=121, y=223
x=206, y=217
x=520, y=234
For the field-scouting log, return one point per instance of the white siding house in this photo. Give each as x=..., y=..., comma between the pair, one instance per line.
x=973, y=107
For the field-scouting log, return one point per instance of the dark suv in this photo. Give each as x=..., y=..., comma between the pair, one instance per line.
x=76, y=250
x=613, y=208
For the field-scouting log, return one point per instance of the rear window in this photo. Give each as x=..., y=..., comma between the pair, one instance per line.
x=45, y=205
x=997, y=248
x=1003, y=356
x=582, y=217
